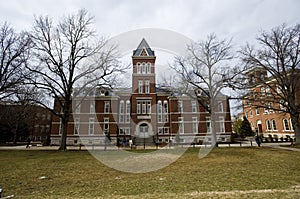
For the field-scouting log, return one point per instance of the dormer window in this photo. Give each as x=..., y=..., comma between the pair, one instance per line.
x=143, y=52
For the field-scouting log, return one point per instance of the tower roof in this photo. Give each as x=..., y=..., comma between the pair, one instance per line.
x=143, y=49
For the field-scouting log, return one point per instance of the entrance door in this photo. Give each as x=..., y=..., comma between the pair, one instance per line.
x=144, y=130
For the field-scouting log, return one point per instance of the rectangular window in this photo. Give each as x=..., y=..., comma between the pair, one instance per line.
x=257, y=110
x=159, y=118
x=147, y=86
x=166, y=130
x=106, y=106
x=148, y=68
x=149, y=106
x=144, y=68
x=138, y=68
x=127, y=118
x=166, y=118
x=165, y=107
x=180, y=125
x=143, y=107
x=91, y=126
x=92, y=107
x=138, y=108
x=220, y=106
x=195, y=125
x=106, y=125
x=121, y=118
x=127, y=131
x=160, y=130
x=222, y=125
x=140, y=88
x=76, y=126
x=121, y=131
x=194, y=108
x=208, y=125
x=180, y=107
x=128, y=107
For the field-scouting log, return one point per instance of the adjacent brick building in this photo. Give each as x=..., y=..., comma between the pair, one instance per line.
x=263, y=106
x=143, y=113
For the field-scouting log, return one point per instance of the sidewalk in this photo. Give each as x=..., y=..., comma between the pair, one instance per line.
x=282, y=145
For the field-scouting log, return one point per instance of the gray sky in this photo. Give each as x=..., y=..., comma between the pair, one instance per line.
x=195, y=19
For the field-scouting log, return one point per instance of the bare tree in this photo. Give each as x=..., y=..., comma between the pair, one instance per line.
x=14, y=54
x=68, y=56
x=205, y=68
x=278, y=54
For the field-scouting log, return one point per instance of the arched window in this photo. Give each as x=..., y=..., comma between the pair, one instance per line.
x=148, y=68
x=165, y=106
x=220, y=106
x=274, y=125
x=127, y=111
x=159, y=111
x=268, y=123
x=121, y=112
x=143, y=68
x=138, y=66
x=286, y=125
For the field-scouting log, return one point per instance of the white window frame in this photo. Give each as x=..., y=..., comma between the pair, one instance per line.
x=274, y=125
x=195, y=125
x=138, y=70
x=180, y=106
x=181, y=125
x=194, y=107
x=106, y=125
x=222, y=124
x=92, y=106
x=220, y=107
x=76, y=126
x=106, y=106
x=147, y=86
x=284, y=124
x=208, y=125
x=91, y=126
x=140, y=86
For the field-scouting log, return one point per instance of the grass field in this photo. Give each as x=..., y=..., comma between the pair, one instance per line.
x=224, y=173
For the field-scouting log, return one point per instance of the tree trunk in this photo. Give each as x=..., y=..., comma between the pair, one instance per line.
x=63, y=140
x=64, y=123
x=213, y=123
x=296, y=126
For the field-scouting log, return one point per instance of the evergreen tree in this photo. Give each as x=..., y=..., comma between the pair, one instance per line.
x=246, y=129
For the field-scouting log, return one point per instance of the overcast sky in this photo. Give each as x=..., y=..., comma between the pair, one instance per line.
x=195, y=19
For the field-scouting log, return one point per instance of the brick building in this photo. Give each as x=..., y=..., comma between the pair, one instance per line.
x=264, y=108
x=19, y=121
x=143, y=113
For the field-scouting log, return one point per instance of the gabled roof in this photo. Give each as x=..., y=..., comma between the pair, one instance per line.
x=143, y=49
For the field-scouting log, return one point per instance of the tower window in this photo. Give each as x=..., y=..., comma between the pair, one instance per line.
x=148, y=68
x=138, y=66
x=147, y=86
x=140, y=87
x=143, y=68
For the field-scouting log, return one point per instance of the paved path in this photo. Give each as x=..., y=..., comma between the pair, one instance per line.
x=284, y=145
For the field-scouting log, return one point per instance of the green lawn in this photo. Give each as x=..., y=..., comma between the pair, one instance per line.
x=224, y=173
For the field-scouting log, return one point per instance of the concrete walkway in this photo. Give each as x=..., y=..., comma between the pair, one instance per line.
x=282, y=145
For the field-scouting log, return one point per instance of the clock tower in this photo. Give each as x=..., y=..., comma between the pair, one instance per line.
x=143, y=92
